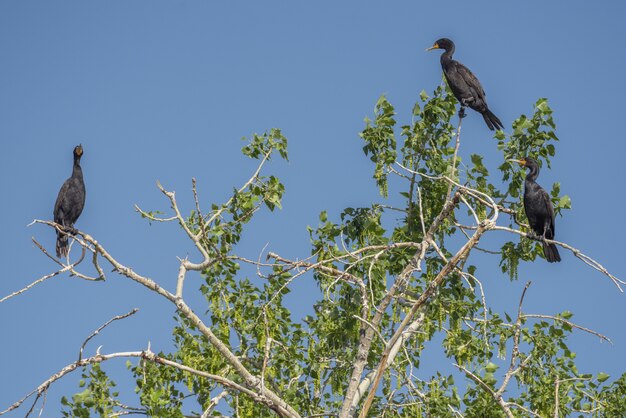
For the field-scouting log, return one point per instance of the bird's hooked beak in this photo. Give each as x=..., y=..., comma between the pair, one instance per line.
x=435, y=46
x=520, y=162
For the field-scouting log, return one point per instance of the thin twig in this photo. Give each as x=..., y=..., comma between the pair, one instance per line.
x=145, y=355
x=65, y=268
x=571, y=324
x=213, y=403
x=516, y=339
x=96, y=332
x=152, y=217
x=586, y=259
x=456, y=151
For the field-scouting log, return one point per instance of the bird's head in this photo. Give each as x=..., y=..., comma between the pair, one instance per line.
x=443, y=43
x=525, y=162
x=78, y=151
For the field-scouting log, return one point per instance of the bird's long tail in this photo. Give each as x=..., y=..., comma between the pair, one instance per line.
x=492, y=120
x=61, y=244
x=551, y=252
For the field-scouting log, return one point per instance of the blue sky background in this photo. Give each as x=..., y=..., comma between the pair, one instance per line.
x=165, y=90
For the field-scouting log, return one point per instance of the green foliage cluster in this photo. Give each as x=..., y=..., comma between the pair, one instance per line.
x=97, y=397
x=309, y=362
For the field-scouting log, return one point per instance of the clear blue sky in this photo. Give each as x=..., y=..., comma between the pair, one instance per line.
x=165, y=90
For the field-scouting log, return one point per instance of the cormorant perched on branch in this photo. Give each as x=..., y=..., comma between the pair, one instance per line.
x=70, y=202
x=464, y=84
x=539, y=209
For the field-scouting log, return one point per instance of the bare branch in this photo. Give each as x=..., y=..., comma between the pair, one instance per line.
x=149, y=356
x=181, y=221
x=341, y=275
x=456, y=151
x=266, y=349
x=152, y=217
x=65, y=268
x=96, y=332
x=36, y=282
x=571, y=324
x=195, y=195
x=488, y=200
x=471, y=209
x=556, y=398
x=244, y=187
x=515, y=351
x=280, y=406
x=424, y=297
x=72, y=270
x=586, y=259
x=348, y=277
x=393, y=352
x=353, y=395
x=214, y=401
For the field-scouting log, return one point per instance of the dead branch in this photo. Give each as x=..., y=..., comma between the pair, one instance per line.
x=586, y=259
x=65, y=268
x=149, y=356
x=571, y=324
x=96, y=332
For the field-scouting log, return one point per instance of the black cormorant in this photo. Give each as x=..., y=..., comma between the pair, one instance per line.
x=538, y=208
x=464, y=84
x=70, y=202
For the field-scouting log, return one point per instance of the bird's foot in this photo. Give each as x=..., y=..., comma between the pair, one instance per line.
x=462, y=112
x=536, y=237
x=532, y=235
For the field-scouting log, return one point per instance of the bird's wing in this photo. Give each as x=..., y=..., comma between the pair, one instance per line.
x=470, y=79
x=545, y=197
x=60, y=202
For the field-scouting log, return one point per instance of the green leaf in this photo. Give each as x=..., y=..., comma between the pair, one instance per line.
x=491, y=367
x=565, y=202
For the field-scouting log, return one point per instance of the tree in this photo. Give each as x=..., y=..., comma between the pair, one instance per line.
x=392, y=280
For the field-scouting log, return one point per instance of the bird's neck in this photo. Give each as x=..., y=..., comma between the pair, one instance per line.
x=447, y=55
x=77, y=171
x=532, y=174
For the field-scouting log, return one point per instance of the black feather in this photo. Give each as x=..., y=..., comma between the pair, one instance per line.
x=69, y=204
x=492, y=120
x=464, y=84
x=539, y=210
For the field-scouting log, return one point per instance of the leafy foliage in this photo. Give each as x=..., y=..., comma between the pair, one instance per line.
x=355, y=261
x=97, y=395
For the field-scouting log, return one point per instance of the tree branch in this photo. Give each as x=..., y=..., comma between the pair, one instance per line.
x=65, y=267
x=571, y=324
x=586, y=259
x=515, y=350
x=425, y=296
x=96, y=332
x=150, y=356
x=251, y=381
x=503, y=404
x=351, y=399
